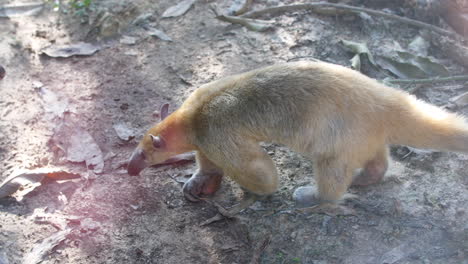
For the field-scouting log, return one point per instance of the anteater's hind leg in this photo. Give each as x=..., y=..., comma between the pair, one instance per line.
x=374, y=170
x=333, y=176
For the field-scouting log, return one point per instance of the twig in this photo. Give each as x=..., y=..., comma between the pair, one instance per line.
x=352, y=9
x=258, y=252
x=238, y=9
x=430, y=80
x=223, y=213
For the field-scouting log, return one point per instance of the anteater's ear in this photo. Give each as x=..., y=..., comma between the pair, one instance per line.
x=158, y=142
x=164, y=111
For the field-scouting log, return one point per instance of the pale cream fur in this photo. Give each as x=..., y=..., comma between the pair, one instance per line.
x=338, y=117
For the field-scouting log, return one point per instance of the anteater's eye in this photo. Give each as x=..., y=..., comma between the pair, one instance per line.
x=158, y=142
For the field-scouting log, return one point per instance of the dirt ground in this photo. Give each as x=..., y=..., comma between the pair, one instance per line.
x=418, y=214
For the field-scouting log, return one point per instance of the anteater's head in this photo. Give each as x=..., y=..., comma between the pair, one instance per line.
x=160, y=142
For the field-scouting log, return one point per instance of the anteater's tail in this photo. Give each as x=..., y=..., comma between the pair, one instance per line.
x=422, y=125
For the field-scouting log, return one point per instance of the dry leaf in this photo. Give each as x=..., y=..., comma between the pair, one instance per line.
x=252, y=24
x=406, y=65
x=356, y=62
x=128, y=40
x=179, y=9
x=29, y=9
x=44, y=248
x=53, y=104
x=65, y=51
x=419, y=46
x=123, y=131
x=18, y=180
x=159, y=34
x=359, y=49
x=78, y=145
x=238, y=7
x=460, y=100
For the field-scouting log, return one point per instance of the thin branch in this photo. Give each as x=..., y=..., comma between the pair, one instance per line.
x=259, y=251
x=430, y=80
x=352, y=9
x=239, y=8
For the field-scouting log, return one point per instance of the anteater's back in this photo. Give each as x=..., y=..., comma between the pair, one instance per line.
x=282, y=103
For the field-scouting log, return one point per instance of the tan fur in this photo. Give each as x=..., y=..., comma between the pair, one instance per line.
x=338, y=117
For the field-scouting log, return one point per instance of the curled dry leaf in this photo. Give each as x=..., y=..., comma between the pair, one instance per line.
x=29, y=9
x=179, y=9
x=16, y=181
x=65, y=51
x=356, y=62
x=359, y=49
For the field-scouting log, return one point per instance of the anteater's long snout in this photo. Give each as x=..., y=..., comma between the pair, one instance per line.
x=137, y=162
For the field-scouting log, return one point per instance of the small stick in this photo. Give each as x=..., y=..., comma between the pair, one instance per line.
x=258, y=252
x=352, y=9
x=231, y=212
x=430, y=80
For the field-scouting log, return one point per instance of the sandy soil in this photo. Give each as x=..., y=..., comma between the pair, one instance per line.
x=418, y=214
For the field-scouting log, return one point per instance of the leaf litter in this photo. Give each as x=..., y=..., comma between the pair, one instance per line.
x=65, y=51
x=78, y=145
x=124, y=132
x=239, y=7
x=251, y=24
x=32, y=178
x=360, y=49
x=42, y=249
x=28, y=9
x=179, y=9
x=158, y=33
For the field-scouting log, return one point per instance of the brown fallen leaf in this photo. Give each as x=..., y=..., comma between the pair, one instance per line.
x=16, y=181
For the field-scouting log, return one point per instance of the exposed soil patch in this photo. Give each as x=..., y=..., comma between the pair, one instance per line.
x=418, y=214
